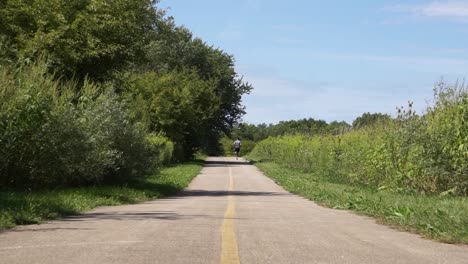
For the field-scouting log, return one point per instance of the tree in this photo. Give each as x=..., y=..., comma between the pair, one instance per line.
x=188, y=89
x=178, y=103
x=174, y=48
x=368, y=119
x=82, y=37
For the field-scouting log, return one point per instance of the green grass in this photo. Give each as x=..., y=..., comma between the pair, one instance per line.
x=442, y=218
x=18, y=208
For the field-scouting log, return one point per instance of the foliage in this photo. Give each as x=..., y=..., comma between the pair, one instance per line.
x=175, y=49
x=178, y=103
x=161, y=149
x=123, y=90
x=444, y=141
x=64, y=133
x=82, y=37
x=412, y=153
x=308, y=126
x=368, y=119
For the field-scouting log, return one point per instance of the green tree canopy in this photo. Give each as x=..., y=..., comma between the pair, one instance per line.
x=368, y=119
x=80, y=37
x=178, y=103
x=175, y=48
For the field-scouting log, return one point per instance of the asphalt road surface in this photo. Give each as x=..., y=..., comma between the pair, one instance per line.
x=231, y=213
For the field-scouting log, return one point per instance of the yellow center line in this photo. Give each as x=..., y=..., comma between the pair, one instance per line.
x=230, y=252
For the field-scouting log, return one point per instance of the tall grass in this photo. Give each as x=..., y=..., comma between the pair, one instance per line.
x=228, y=146
x=61, y=133
x=426, y=154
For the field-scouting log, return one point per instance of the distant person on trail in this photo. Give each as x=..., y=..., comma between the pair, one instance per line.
x=237, y=146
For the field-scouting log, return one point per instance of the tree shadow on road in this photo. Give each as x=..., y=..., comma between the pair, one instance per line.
x=218, y=193
x=223, y=163
x=113, y=215
x=43, y=228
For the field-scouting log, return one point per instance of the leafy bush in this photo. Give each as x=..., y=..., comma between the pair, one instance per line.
x=38, y=129
x=446, y=137
x=161, y=149
x=64, y=133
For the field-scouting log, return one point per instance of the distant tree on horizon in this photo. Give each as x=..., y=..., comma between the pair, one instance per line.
x=368, y=119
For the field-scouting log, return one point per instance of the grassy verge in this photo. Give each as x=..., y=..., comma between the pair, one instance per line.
x=17, y=208
x=442, y=218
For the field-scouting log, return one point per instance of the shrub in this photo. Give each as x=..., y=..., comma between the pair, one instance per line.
x=65, y=133
x=161, y=149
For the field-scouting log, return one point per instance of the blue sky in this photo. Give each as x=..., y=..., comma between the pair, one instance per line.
x=333, y=60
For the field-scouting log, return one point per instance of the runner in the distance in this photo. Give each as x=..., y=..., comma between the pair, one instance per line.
x=237, y=146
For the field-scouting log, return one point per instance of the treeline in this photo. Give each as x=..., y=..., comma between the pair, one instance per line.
x=104, y=91
x=412, y=153
x=252, y=133
x=309, y=126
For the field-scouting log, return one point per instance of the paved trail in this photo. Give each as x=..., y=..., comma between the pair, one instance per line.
x=231, y=213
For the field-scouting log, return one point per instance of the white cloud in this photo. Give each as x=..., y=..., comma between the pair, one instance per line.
x=268, y=87
x=439, y=65
x=405, y=59
x=275, y=99
x=446, y=9
x=453, y=49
